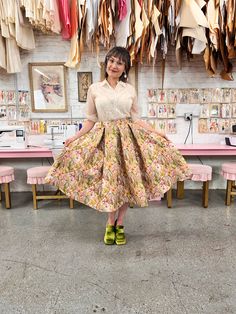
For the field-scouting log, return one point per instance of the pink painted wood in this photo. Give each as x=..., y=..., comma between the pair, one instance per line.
x=38, y=152
x=185, y=149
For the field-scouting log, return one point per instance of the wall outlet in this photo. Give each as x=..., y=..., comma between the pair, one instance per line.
x=188, y=116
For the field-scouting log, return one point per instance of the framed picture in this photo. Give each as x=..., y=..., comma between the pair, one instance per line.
x=85, y=79
x=48, y=87
x=132, y=78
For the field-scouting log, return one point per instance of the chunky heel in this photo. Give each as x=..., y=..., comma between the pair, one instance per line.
x=109, y=237
x=120, y=235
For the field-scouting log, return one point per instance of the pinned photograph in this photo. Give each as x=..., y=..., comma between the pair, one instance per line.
x=3, y=112
x=2, y=97
x=225, y=110
x=11, y=112
x=23, y=97
x=217, y=95
x=224, y=126
x=10, y=97
x=233, y=110
x=173, y=96
x=206, y=95
x=204, y=111
x=194, y=96
x=226, y=95
x=202, y=126
x=233, y=94
x=161, y=96
x=151, y=95
x=171, y=111
x=162, y=111
x=171, y=127
x=152, y=110
x=161, y=125
x=213, y=125
x=24, y=113
x=183, y=96
x=214, y=110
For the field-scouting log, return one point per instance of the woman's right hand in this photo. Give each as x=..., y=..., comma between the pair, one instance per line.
x=70, y=140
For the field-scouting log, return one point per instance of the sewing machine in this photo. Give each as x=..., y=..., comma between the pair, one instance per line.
x=13, y=137
x=59, y=134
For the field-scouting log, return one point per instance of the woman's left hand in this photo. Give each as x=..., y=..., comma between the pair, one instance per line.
x=163, y=135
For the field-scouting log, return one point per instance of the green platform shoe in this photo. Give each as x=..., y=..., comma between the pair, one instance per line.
x=109, y=236
x=120, y=235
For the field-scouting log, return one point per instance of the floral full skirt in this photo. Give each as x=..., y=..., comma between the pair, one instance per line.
x=117, y=162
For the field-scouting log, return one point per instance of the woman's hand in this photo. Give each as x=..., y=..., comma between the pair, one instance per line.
x=70, y=140
x=87, y=126
x=150, y=128
x=163, y=135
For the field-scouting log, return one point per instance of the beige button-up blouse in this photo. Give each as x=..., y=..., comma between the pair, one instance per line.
x=105, y=103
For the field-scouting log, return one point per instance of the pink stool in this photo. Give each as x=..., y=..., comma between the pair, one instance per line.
x=6, y=176
x=228, y=171
x=202, y=173
x=36, y=175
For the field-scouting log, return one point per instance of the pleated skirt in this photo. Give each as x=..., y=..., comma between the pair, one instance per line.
x=117, y=162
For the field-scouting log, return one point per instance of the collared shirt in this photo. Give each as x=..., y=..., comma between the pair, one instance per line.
x=105, y=103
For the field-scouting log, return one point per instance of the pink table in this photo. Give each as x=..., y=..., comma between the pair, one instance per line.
x=34, y=152
x=185, y=149
x=206, y=150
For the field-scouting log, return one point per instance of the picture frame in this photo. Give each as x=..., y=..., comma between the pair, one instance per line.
x=48, y=87
x=85, y=79
x=132, y=78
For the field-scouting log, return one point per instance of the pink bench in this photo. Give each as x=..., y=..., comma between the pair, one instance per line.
x=36, y=175
x=6, y=176
x=202, y=173
x=228, y=171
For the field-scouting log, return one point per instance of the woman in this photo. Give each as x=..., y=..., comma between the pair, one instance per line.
x=116, y=159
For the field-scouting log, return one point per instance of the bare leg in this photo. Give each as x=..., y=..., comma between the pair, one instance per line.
x=111, y=218
x=121, y=214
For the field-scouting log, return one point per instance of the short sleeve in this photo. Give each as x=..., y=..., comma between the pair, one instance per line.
x=134, y=113
x=91, y=111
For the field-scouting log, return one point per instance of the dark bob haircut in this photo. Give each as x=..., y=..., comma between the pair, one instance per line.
x=122, y=54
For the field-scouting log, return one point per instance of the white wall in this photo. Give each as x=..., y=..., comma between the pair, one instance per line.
x=51, y=48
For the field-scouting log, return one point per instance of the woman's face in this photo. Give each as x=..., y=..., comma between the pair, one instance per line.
x=115, y=67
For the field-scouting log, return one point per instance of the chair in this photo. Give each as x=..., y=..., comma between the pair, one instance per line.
x=228, y=171
x=36, y=175
x=202, y=173
x=6, y=176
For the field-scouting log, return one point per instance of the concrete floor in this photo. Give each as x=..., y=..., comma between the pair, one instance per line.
x=177, y=261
